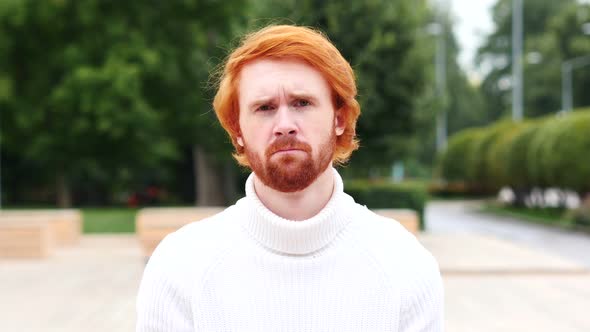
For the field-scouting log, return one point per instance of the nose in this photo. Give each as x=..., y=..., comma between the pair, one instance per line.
x=285, y=124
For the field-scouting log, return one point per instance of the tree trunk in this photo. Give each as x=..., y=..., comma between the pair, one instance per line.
x=520, y=196
x=209, y=189
x=64, y=197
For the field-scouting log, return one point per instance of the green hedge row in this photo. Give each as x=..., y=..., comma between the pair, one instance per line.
x=546, y=152
x=383, y=195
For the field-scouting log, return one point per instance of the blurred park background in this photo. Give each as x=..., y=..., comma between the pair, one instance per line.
x=105, y=106
x=108, y=104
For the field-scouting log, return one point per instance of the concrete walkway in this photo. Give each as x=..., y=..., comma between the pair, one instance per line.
x=464, y=218
x=493, y=281
x=502, y=274
x=89, y=287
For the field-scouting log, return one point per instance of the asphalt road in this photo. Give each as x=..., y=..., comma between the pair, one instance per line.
x=452, y=217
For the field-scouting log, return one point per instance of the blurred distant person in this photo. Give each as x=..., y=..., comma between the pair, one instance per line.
x=297, y=253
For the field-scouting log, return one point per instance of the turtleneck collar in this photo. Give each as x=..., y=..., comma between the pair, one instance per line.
x=296, y=237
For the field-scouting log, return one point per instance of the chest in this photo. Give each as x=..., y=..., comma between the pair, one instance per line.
x=267, y=293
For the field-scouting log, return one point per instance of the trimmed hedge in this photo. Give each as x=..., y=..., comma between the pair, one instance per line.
x=539, y=152
x=568, y=154
x=480, y=170
x=546, y=152
x=382, y=195
x=453, y=164
x=499, y=153
x=516, y=163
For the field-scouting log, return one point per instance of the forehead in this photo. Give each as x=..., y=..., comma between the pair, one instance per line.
x=271, y=76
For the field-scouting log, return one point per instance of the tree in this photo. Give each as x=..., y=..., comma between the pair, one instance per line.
x=552, y=34
x=462, y=100
x=566, y=32
x=193, y=41
x=74, y=101
x=94, y=87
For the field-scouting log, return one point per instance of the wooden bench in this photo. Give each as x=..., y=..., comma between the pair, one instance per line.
x=153, y=224
x=408, y=218
x=66, y=224
x=26, y=237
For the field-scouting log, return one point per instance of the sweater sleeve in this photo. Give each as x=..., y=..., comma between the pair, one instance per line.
x=163, y=303
x=423, y=301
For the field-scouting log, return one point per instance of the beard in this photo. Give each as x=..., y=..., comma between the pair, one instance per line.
x=291, y=173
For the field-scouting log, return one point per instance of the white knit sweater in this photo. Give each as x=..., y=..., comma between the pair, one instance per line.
x=247, y=269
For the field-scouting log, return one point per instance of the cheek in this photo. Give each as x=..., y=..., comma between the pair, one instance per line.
x=324, y=128
x=255, y=136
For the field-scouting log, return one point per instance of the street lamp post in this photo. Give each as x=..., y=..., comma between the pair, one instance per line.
x=441, y=80
x=437, y=29
x=517, y=60
x=567, y=99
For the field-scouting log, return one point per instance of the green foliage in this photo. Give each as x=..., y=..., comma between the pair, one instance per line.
x=566, y=154
x=97, y=91
x=479, y=170
x=452, y=164
x=382, y=195
x=462, y=100
x=541, y=150
x=499, y=153
x=518, y=174
x=549, y=152
x=547, y=216
x=553, y=34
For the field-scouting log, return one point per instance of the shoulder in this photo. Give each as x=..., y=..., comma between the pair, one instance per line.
x=382, y=232
x=412, y=269
x=397, y=250
x=175, y=268
x=210, y=232
x=187, y=252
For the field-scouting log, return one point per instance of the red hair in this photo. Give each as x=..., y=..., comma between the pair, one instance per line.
x=286, y=41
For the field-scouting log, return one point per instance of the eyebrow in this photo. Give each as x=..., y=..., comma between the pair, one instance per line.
x=269, y=99
x=303, y=95
x=260, y=101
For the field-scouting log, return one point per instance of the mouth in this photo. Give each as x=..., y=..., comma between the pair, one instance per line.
x=288, y=150
x=288, y=147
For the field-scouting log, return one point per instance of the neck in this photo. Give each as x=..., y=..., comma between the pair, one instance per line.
x=299, y=205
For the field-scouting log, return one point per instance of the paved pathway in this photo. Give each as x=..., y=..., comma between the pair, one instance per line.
x=499, y=275
x=89, y=287
x=463, y=218
x=502, y=274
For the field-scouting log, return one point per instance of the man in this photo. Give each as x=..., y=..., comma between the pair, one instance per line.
x=297, y=253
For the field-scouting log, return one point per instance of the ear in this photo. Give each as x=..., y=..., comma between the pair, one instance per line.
x=240, y=141
x=339, y=122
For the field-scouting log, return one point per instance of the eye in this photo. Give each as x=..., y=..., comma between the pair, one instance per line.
x=301, y=103
x=264, y=108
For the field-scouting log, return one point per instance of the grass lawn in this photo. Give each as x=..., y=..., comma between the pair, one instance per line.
x=108, y=220
x=547, y=216
x=457, y=197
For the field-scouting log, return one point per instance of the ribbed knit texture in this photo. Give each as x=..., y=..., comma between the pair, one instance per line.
x=247, y=269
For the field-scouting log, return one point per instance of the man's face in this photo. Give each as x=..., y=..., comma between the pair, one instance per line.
x=287, y=122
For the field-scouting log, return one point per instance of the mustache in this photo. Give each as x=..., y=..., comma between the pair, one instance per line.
x=287, y=143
